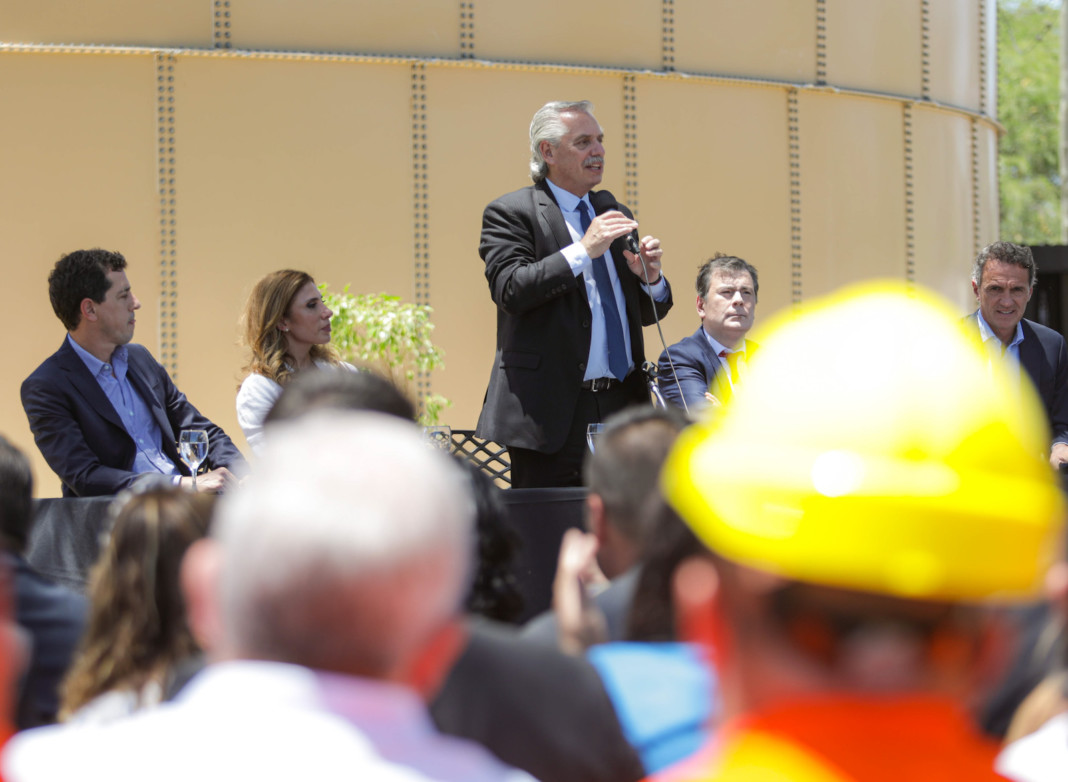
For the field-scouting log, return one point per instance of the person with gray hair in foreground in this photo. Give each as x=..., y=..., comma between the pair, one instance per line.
x=329, y=595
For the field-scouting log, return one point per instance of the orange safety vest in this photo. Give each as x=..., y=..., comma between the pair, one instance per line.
x=913, y=739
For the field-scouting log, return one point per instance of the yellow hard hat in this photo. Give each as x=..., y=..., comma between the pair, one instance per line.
x=875, y=446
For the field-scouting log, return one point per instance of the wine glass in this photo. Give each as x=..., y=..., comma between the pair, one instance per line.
x=438, y=437
x=593, y=431
x=193, y=448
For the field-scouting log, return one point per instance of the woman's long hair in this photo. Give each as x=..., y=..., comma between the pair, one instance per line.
x=270, y=301
x=137, y=627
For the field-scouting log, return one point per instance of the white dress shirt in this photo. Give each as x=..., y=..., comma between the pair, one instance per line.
x=263, y=721
x=582, y=264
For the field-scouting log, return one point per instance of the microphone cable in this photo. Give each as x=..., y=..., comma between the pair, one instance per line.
x=634, y=247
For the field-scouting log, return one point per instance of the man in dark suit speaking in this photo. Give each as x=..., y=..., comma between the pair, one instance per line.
x=571, y=302
x=103, y=412
x=1003, y=278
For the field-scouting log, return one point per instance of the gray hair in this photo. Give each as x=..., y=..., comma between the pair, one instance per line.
x=548, y=125
x=347, y=547
x=1006, y=252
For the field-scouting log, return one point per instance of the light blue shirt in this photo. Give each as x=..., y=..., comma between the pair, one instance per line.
x=997, y=350
x=581, y=263
x=132, y=410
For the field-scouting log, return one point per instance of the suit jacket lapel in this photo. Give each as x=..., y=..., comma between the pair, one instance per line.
x=141, y=385
x=707, y=351
x=84, y=384
x=549, y=212
x=1031, y=354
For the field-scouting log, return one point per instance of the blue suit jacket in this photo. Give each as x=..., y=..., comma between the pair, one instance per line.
x=1044, y=356
x=82, y=438
x=696, y=365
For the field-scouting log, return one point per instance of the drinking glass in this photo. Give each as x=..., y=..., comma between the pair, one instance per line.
x=439, y=437
x=593, y=431
x=193, y=448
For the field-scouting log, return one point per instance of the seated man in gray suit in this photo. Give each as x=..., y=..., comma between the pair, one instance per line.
x=712, y=360
x=1003, y=279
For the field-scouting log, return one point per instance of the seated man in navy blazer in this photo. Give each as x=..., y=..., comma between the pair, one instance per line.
x=711, y=361
x=103, y=412
x=1003, y=279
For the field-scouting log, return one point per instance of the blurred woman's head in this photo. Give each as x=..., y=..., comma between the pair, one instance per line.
x=286, y=323
x=137, y=625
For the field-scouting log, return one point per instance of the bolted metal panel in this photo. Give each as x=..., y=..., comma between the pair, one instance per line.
x=107, y=22
x=874, y=45
x=944, y=202
x=850, y=145
x=955, y=44
x=772, y=39
x=593, y=32
x=78, y=171
x=413, y=27
x=168, y=214
x=715, y=183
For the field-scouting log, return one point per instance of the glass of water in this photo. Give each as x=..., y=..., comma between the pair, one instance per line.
x=193, y=448
x=593, y=431
x=438, y=437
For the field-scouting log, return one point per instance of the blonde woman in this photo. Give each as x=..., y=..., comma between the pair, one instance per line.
x=287, y=328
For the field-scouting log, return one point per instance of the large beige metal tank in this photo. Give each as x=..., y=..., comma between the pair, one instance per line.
x=822, y=140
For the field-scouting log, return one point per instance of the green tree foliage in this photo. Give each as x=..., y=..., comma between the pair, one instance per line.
x=389, y=336
x=1028, y=98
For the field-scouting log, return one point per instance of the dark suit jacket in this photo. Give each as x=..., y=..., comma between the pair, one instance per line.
x=544, y=319
x=82, y=438
x=614, y=603
x=535, y=708
x=1044, y=356
x=696, y=365
x=55, y=618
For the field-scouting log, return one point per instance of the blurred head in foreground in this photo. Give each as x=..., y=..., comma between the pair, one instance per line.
x=875, y=490
x=346, y=551
x=137, y=629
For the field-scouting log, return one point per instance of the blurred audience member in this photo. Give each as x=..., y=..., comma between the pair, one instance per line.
x=137, y=632
x=339, y=390
x=532, y=706
x=1037, y=738
x=329, y=596
x=53, y=616
x=841, y=601
x=494, y=592
x=287, y=328
x=621, y=476
x=660, y=686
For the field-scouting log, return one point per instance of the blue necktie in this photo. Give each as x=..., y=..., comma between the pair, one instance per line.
x=618, y=360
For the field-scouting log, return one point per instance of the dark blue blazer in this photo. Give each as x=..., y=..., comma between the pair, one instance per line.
x=55, y=619
x=82, y=438
x=1044, y=356
x=696, y=365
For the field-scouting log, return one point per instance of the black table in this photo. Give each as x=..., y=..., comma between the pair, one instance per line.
x=66, y=537
x=68, y=534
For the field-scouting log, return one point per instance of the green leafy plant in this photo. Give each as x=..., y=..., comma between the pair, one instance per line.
x=1028, y=94
x=389, y=336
